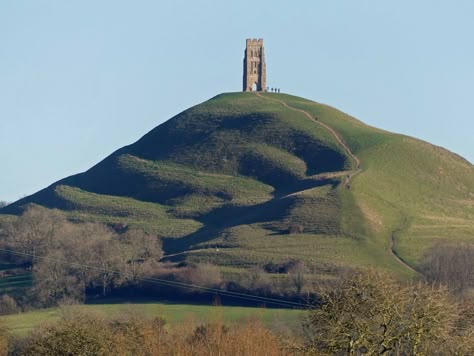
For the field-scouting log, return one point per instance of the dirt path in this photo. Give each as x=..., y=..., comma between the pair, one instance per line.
x=350, y=174
x=392, y=251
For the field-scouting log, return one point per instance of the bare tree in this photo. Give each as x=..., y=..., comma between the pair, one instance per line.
x=297, y=276
x=451, y=264
x=84, y=255
x=108, y=263
x=138, y=251
x=34, y=232
x=89, y=249
x=54, y=280
x=257, y=280
x=371, y=313
x=8, y=305
x=202, y=274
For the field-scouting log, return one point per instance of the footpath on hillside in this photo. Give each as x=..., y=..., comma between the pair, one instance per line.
x=350, y=174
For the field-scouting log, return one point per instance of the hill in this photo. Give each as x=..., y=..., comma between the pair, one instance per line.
x=224, y=181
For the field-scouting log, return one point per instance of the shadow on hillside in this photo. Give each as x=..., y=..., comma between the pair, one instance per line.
x=229, y=216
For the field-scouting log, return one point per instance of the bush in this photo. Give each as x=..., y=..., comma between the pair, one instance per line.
x=80, y=334
x=119, y=228
x=371, y=313
x=450, y=264
x=257, y=281
x=8, y=305
x=5, y=340
x=201, y=274
x=295, y=229
x=218, y=339
x=138, y=335
x=283, y=267
x=297, y=276
x=76, y=334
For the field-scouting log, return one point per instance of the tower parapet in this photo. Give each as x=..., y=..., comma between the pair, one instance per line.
x=255, y=69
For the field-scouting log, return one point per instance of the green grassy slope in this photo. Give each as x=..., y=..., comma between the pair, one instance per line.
x=424, y=191
x=236, y=171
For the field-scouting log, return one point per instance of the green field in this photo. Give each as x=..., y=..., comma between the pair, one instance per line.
x=22, y=324
x=14, y=281
x=14, y=284
x=222, y=182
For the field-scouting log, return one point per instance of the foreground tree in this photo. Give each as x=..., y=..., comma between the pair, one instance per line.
x=85, y=334
x=5, y=339
x=74, y=334
x=370, y=313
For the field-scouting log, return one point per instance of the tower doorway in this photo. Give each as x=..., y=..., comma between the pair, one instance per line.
x=254, y=87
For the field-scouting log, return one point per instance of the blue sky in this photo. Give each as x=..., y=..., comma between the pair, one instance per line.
x=79, y=79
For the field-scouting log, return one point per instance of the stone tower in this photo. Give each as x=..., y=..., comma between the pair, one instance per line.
x=255, y=69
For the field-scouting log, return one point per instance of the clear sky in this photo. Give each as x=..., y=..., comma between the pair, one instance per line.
x=80, y=79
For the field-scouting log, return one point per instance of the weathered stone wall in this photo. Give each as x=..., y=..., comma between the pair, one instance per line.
x=255, y=70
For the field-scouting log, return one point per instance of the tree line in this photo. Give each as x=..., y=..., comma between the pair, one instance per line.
x=67, y=259
x=367, y=313
x=75, y=261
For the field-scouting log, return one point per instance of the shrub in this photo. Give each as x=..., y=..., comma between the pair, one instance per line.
x=283, y=267
x=201, y=274
x=295, y=229
x=119, y=228
x=8, y=305
x=5, y=340
x=297, y=276
x=138, y=335
x=450, y=264
x=80, y=334
x=217, y=339
x=76, y=334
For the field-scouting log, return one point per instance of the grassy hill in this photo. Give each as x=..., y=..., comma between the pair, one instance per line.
x=224, y=180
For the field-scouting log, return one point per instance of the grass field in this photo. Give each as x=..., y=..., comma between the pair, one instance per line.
x=14, y=281
x=22, y=324
x=15, y=284
x=424, y=191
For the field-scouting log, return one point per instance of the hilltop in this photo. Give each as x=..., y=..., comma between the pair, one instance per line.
x=225, y=180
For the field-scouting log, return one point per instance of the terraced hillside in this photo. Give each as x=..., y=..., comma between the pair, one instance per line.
x=226, y=179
